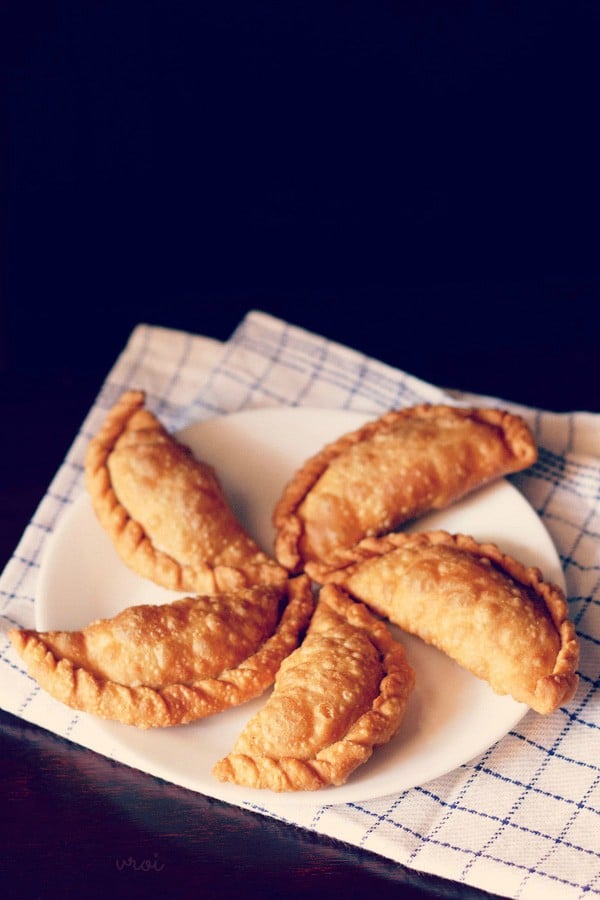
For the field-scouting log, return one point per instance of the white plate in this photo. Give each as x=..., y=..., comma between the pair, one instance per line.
x=452, y=717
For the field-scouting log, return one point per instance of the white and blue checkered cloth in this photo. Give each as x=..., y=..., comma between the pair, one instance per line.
x=522, y=820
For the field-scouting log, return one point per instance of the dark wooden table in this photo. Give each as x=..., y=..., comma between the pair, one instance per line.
x=417, y=181
x=77, y=824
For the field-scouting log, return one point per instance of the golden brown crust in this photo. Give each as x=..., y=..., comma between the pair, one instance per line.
x=342, y=693
x=489, y=612
x=156, y=666
x=165, y=511
x=391, y=470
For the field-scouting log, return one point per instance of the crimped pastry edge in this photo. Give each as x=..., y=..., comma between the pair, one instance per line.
x=333, y=765
x=129, y=537
x=552, y=690
x=288, y=524
x=175, y=704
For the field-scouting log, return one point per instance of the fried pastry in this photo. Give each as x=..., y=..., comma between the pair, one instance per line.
x=407, y=463
x=342, y=693
x=491, y=614
x=165, y=511
x=153, y=666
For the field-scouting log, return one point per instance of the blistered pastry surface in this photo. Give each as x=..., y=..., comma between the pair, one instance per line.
x=165, y=510
x=488, y=612
x=390, y=471
x=341, y=694
x=166, y=665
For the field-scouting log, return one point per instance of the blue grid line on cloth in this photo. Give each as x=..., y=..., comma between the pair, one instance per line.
x=9, y=622
x=51, y=507
x=261, y=379
x=576, y=713
x=251, y=388
x=569, y=554
x=380, y=818
x=517, y=805
x=570, y=434
x=271, y=358
x=483, y=768
x=11, y=597
x=589, y=655
x=173, y=414
x=217, y=370
x=63, y=499
x=448, y=809
x=563, y=520
x=562, y=841
x=574, y=467
x=15, y=594
x=26, y=562
x=574, y=550
x=577, y=524
x=585, y=476
x=29, y=698
x=5, y=660
x=321, y=360
x=596, y=642
x=586, y=690
x=503, y=820
x=114, y=389
x=579, y=605
x=319, y=371
x=72, y=725
x=556, y=485
x=41, y=526
x=254, y=385
x=582, y=567
x=575, y=716
x=473, y=855
x=563, y=757
x=142, y=336
x=565, y=434
x=164, y=402
x=137, y=368
x=221, y=370
x=367, y=388
x=69, y=463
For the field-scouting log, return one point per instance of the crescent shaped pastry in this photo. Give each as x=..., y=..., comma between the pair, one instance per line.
x=165, y=511
x=343, y=692
x=491, y=614
x=404, y=464
x=154, y=666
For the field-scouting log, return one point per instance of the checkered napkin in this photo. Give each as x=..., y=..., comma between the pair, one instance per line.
x=523, y=819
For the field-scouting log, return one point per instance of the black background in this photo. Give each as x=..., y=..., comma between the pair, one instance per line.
x=416, y=179
x=419, y=180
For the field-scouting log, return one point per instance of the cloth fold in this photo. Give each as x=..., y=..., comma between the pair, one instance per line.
x=522, y=819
